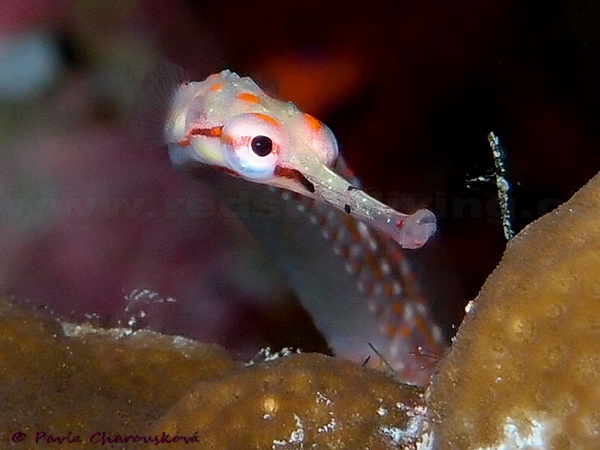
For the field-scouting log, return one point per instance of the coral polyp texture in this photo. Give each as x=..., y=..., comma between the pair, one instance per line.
x=524, y=370
x=301, y=401
x=58, y=377
x=115, y=388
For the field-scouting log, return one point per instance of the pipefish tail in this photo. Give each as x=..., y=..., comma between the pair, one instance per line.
x=340, y=248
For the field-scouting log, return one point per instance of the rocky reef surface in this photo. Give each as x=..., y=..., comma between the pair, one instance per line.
x=523, y=372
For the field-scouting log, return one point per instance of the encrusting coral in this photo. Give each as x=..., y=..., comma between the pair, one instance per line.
x=62, y=378
x=300, y=401
x=66, y=384
x=524, y=370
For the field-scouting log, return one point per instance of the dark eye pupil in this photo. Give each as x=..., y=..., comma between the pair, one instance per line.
x=262, y=145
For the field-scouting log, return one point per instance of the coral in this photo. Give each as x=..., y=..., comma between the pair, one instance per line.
x=525, y=366
x=300, y=401
x=61, y=382
x=75, y=378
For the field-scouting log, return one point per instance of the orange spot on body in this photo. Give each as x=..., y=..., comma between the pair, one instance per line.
x=405, y=331
x=334, y=234
x=388, y=289
x=425, y=331
x=396, y=257
x=248, y=98
x=355, y=235
x=270, y=120
x=397, y=307
x=314, y=124
x=216, y=87
x=374, y=266
x=390, y=331
x=345, y=252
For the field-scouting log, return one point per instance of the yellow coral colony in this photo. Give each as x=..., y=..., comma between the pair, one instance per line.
x=524, y=371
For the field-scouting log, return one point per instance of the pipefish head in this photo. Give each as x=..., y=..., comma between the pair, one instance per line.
x=229, y=123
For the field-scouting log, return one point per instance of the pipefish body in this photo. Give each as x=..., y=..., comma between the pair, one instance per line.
x=340, y=249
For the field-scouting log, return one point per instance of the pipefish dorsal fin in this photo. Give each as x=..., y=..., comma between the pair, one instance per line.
x=152, y=103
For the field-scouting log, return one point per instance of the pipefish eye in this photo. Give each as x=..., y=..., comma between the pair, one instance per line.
x=251, y=144
x=261, y=145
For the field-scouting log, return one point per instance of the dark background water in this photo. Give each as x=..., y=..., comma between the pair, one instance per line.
x=411, y=90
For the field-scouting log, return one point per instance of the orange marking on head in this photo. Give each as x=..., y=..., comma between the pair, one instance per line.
x=270, y=120
x=227, y=139
x=209, y=132
x=313, y=123
x=248, y=97
x=216, y=86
